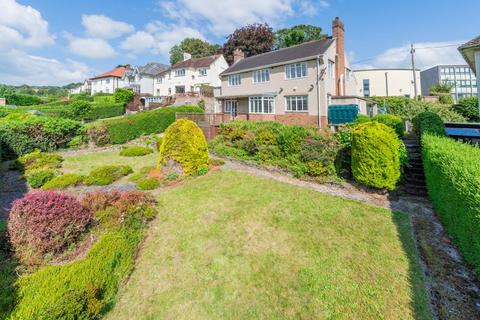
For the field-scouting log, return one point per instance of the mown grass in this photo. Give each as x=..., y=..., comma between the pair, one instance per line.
x=234, y=246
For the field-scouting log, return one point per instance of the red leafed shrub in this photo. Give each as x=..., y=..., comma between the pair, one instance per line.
x=45, y=222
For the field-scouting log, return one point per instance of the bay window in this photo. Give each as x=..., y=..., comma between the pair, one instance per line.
x=261, y=104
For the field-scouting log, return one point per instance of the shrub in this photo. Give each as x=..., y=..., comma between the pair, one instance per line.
x=184, y=145
x=37, y=160
x=148, y=183
x=63, y=181
x=216, y=162
x=106, y=175
x=123, y=95
x=105, y=110
x=135, y=151
x=33, y=132
x=22, y=99
x=45, y=222
x=468, y=107
x=428, y=122
x=79, y=109
x=453, y=183
x=98, y=135
x=320, y=149
x=375, y=155
x=38, y=177
x=392, y=121
x=129, y=127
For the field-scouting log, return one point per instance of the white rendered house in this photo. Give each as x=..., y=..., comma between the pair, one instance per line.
x=107, y=82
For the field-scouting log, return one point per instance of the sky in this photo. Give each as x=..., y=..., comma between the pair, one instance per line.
x=52, y=42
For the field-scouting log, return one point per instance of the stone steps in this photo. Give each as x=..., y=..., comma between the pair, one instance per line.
x=414, y=175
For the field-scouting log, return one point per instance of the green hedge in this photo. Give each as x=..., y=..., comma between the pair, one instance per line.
x=428, y=122
x=375, y=155
x=392, y=121
x=453, y=181
x=132, y=126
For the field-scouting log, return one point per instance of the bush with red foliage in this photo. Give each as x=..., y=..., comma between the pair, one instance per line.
x=45, y=222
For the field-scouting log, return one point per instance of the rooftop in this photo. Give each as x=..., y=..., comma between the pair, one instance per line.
x=196, y=62
x=117, y=72
x=152, y=68
x=468, y=52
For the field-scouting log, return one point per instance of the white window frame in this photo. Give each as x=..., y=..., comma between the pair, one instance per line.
x=202, y=72
x=330, y=69
x=180, y=73
x=159, y=80
x=234, y=80
x=297, y=70
x=292, y=103
x=229, y=104
x=261, y=76
x=261, y=104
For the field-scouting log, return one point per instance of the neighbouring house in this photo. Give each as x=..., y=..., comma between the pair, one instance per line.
x=471, y=53
x=144, y=78
x=107, y=82
x=460, y=77
x=189, y=75
x=387, y=82
x=86, y=86
x=294, y=85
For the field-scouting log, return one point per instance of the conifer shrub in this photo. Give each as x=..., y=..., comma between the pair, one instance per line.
x=45, y=222
x=106, y=175
x=135, y=151
x=392, y=121
x=63, y=181
x=36, y=178
x=375, y=155
x=184, y=148
x=429, y=122
x=37, y=160
x=148, y=184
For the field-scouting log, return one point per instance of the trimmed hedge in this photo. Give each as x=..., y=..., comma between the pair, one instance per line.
x=394, y=122
x=375, y=155
x=429, y=122
x=184, y=144
x=132, y=126
x=453, y=182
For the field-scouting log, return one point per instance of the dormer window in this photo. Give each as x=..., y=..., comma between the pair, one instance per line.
x=179, y=72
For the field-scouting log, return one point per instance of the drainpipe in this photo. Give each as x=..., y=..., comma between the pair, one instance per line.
x=318, y=89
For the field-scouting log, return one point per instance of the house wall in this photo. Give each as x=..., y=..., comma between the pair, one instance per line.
x=146, y=84
x=108, y=84
x=400, y=82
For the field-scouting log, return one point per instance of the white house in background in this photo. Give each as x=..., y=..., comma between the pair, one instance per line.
x=107, y=82
x=190, y=75
x=144, y=77
x=387, y=82
x=84, y=87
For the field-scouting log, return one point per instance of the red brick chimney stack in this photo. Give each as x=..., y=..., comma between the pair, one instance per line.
x=238, y=55
x=338, y=32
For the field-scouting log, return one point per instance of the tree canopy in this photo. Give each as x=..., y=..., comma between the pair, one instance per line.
x=252, y=39
x=196, y=47
x=298, y=34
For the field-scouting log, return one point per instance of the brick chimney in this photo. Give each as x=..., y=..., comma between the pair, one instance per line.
x=238, y=55
x=186, y=56
x=338, y=33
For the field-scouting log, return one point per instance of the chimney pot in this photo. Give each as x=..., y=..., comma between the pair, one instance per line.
x=238, y=55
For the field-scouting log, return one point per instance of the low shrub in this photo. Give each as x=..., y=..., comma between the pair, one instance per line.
x=129, y=127
x=63, y=181
x=468, y=107
x=392, y=121
x=428, y=122
x=148, y=183
x=38, y=177
x=45, y=222
x=216, y=162
x=184, y=148
x=453, y=183
x=135, y=151
x=98, y=135
x=37, y=160
x=106, y=175
x=375, y=155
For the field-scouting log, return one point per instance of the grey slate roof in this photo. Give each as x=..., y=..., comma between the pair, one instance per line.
x=153, y=68
x=468, y=52
x=472, y=43
x=196, y=62
x=304, y=50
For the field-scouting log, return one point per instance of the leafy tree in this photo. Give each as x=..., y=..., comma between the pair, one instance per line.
x=196, y=47
x=468, y=107
x=298, y=34
x=252, y=39
x=123, y=95
x=442, y=90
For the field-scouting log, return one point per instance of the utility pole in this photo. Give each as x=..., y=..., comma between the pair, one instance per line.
x=412, y=52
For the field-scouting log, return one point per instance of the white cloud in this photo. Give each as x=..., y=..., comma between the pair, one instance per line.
x=138, y=42
x=427, y=54
x=222, y=17
x=100, y=26
x=22, y=26
x=18, y=67
x=90, y=47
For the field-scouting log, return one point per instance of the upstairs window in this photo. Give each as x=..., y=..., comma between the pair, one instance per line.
x=366, y=87
x=260, y=76
x=234, y=80
x=202, y=72
x=296, y=70
x=159, y=80
x=330, y=69
x=107, y=81
x=179, y=72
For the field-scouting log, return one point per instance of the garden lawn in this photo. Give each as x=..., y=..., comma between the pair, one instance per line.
x=234, y=246
x=84, y=163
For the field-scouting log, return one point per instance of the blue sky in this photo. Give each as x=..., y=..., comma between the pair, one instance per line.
x=57, y=42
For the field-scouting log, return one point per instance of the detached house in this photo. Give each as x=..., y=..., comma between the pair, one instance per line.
x=107, y=82
x=190, y=75
x=144, y=77
x=294, y=85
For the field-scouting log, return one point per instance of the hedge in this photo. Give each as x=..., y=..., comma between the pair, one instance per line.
x=453, y=183
x=132, y=126
x=394, y=122
x=428, y=122
x=375, y=155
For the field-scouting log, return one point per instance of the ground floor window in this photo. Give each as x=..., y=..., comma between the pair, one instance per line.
x=180, y=89
x=261, y=104
x=231, y=106
x=296, y=103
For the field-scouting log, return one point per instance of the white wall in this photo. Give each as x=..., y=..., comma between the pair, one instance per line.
x=108, y=84
x=400, y=82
